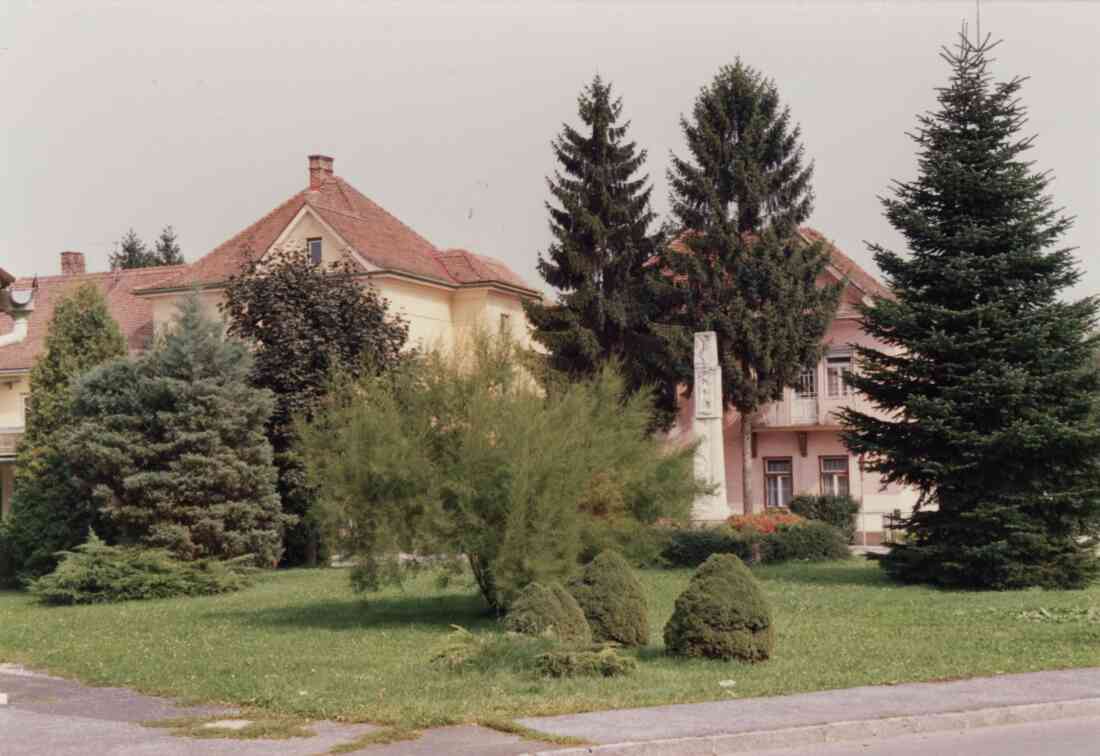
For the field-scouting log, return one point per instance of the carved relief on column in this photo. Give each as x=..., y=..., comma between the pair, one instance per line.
x=710, y=457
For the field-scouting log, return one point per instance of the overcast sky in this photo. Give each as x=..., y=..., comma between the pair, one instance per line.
x=200, y=114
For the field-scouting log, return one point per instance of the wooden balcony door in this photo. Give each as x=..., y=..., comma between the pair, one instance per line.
x=804, y=404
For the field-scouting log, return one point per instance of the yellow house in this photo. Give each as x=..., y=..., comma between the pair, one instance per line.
x=439, y=291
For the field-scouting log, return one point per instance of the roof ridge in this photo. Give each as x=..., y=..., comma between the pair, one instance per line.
x=99, y=273
x=237, y=237
x=386, y=212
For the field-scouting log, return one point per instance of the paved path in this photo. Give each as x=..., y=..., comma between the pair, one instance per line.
x=50, y=716
x=47, y=715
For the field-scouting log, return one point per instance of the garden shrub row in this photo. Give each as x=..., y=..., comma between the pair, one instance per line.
x=808, y=541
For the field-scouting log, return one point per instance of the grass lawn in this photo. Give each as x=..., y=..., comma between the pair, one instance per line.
x=301, y=643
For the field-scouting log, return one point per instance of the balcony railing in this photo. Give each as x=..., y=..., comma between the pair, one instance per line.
x=9, y=439
x=795, y=410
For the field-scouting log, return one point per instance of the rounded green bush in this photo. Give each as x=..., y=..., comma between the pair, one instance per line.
x=722, y=614
x=613, y=600
x=548, y=610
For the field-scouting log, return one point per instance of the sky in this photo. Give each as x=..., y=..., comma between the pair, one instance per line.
x=200, y=114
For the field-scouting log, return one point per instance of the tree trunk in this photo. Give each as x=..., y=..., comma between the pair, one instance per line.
x=746, y=462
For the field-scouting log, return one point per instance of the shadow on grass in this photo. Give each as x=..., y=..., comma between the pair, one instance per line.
x=391, y=611
x=854, y=572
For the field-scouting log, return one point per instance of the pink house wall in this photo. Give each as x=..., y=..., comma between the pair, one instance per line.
x=866, y=487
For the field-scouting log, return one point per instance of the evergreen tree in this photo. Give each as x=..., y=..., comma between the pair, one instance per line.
x=740, y=266
x=51, y=511
x=304, y=321
x=987, y=397
x=131, y=252
x=168, y=249
x=597, y=261
x=173, y=447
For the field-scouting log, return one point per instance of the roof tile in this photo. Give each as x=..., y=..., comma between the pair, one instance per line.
x=374, y=234
x=134, y=314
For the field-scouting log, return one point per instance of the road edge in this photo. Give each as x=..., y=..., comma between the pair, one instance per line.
x=836, y=732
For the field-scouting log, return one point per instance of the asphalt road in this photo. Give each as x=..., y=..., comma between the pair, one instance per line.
x=1060, y=737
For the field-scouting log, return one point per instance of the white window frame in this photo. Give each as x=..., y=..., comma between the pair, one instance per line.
x=784, y=483
x=830, y=479
x=838, y=366
x=807, y=384
x=316, y=260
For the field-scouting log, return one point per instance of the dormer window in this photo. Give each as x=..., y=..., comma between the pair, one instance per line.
x=314, y=247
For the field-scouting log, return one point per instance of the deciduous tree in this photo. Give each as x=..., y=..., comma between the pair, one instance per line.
x=304, y=321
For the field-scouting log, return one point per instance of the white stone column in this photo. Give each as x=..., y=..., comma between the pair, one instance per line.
x=710, y=454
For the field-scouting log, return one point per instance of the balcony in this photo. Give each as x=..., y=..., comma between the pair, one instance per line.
x=9, y=439
x=796, y=411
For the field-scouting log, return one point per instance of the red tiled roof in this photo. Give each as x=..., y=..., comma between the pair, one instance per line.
x=467, y=267
x=375, y=235
x=844, y=265
x=134, y=314
x=847, y=266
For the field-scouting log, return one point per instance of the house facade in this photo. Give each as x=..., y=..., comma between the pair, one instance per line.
x=441, y=292
x=796, y=445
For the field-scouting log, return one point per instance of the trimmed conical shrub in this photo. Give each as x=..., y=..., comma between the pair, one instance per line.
x=722, y=614
x=548, y=610
x=612, y=600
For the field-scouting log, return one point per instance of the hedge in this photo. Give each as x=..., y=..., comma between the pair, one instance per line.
x=808, y=541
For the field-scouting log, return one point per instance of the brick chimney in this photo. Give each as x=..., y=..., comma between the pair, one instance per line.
x=320, y=168
x=72, y=263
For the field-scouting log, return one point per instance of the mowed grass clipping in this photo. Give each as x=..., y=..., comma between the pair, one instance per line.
x=301, y=643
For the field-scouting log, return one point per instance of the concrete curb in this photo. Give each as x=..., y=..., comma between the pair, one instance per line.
x=833, y=732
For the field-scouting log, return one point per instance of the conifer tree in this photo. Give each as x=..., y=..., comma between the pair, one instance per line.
x=131, y=252
x=987, y=395
x=168, y=249
x=740, y=266
x=602, y=242
x=51, y=512
x=172, y=446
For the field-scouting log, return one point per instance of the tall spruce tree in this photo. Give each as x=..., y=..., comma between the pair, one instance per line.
x=608, y=302
x=739, y=263
x=168, y=248
x=131, y=252
x=988, y=397
x=172, y=445
x=51, y=511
